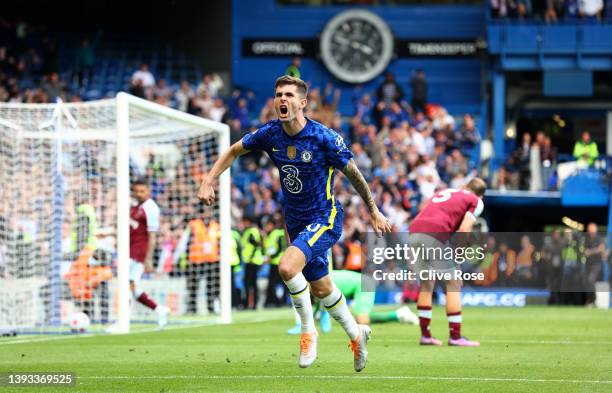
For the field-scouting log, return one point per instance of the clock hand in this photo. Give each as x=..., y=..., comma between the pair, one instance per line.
x=341, y=40
x=362, y=47
x=366, y=49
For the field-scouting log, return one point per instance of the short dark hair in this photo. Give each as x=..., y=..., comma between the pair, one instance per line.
x=302, y=88
x=477, y=186
x=141, y=181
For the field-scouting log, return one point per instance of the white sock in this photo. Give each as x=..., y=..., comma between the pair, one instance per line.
x=300, y=295
x=335, y=304
x=298, y=319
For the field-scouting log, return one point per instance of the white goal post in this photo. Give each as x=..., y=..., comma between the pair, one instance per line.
x=62, y=161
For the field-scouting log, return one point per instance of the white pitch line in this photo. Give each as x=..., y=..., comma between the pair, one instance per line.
x=348, y=377
x=146, y=330
x=265, y=339
x=553, y=342
x=324, y=339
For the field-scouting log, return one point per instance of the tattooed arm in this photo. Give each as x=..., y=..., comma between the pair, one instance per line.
x=378, y=221
x=360, y=185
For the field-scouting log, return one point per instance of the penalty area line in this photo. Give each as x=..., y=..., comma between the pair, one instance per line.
x=348, y=377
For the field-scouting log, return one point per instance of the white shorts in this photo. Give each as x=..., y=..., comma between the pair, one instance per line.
x=136, y=270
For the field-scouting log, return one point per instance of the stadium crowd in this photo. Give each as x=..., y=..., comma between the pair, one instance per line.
x=552, y=11
x=405, y=150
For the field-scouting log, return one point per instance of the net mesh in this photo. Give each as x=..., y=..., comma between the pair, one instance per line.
x=58, y=213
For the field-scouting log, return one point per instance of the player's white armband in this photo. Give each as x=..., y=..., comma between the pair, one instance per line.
x=479, y=208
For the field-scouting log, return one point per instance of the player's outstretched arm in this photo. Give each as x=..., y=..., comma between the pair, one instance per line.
x=206, y=193
x=379, y=222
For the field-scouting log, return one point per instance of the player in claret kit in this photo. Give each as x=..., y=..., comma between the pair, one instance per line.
x=447, y=212
x=306, y=154
x=144, y=226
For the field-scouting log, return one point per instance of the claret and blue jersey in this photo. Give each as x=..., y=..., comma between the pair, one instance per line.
x=306, y=164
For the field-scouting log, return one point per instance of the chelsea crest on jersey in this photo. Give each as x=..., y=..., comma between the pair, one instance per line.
x=306, y=164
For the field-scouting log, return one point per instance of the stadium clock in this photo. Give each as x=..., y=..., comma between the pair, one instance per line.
x=356, y=46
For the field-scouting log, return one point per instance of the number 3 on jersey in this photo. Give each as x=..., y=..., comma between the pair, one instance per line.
x=291, y=180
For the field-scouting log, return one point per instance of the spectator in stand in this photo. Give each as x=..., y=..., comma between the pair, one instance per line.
x=521, y=158
x=268, y=112
x=458, y=181
x=440, y=158
x=456, y=164
x=467, y=136
x=488, y=265
x=525, y=259
x=203, y=102
x=427, y=187
x=85, y=60
x=551, y=259
x=55, y=88
x=314, y=101
x=502, y=179
x=143, y=74
x=554, y=8
x=136, y=89
x=29, y=63
x=572, y=281
x=218, y=110
x=511, y=8
x=212, y=83
x=443, y=125
x=591, y=10
x=389, y=91
x=241, y=112
x=428, y=140
x=327, y=110
x=585, y=150
x=417, y=141
x=506, y=264
x=385, y=170
x=396, y=114
x=375, y=146
x=499, y=8
x=364, y=163
x=523, y=8
x=294, y=68
x=571, y=10
x=266, y=205
x=162, y=93
x=419, y=91
x=183, y=96
x=548, y=157
x=7, y=61
x=595, y=254
x=363, y=108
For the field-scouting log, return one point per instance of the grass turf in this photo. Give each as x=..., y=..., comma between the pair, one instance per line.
x=533, y=349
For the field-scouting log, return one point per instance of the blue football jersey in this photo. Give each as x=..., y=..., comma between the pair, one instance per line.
x=306, y=164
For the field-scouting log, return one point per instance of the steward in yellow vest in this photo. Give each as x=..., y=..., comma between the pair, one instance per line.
x=84, y=228
x=274, y=245
x=252, y=255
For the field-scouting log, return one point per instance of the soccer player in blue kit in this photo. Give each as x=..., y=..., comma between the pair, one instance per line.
x=306, y=154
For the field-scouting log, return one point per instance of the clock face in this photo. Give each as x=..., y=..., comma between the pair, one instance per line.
x=356, y=46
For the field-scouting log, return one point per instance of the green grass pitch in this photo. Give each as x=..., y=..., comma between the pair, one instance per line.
x=533, y=349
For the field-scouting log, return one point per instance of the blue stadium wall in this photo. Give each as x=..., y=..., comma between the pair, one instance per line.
x=453, y=82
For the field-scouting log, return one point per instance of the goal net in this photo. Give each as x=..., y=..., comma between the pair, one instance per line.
x=65, y=180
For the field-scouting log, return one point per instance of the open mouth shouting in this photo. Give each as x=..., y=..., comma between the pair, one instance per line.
x=283, y=111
